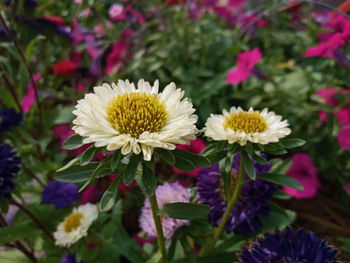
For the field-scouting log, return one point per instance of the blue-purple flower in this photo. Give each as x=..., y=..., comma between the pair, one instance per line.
x=166, y=193
x=59, y=194
x=289, y=246
x=9, y=167
x=9, y=118
x=70, y=258
x=252, y=203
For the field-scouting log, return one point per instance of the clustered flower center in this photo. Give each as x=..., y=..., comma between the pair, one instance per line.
x=72, y=222
x=137, y=112
x=249, y=122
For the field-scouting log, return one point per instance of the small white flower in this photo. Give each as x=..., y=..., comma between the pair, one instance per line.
x=135, y=120
x=238, y=126
x=76, y=225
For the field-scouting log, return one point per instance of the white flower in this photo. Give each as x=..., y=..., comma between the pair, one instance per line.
x=135, y=120
x=241, y=126
x=76, y=225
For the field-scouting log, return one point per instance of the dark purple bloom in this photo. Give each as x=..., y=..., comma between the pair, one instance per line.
x=9, y=167
x=69, y=258
x=252, y=203
x=59, y=194
x=9, y=118
x=289, y=246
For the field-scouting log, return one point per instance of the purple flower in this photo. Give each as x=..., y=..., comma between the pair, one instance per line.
x=9, y=167
x=59, y=194
x=289, y=246
x=9, y=118
x=69, y=258
x=253, y=202
x=166, y=193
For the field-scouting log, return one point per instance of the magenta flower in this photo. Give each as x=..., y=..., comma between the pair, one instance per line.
x=303, y=170
x=245, y=65
x=343, y=115
x=328, y=95
x=116, y=12
x=326, y=48
x=29, y=99
x=347, y=188
x=195, y=146
x=344, y=137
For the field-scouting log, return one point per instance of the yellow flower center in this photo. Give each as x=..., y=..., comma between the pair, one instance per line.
x=135, y=113
x=248, y=122
x=72, y=222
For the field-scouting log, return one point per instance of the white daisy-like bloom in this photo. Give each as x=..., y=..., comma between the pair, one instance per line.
x=76, y=225
x=239, y=126
x=121, y=116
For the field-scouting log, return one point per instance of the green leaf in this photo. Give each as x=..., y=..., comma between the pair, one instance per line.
x=185, y=211
x=184, y=164
x=110, y=195
x=129, y=172
x=274, y=148
x=249, y=148
x=197, y=160
x=76, y=174
x=248, y=165
x=73, y=142
x=213, y=147
x=216, y=157
x=278, y=218
x=14, y=233
x=69, y=164
x=281, y=179
x=167, y=156
x=259, y=159
x=148, y=180
x=88, y=155
x=292, y=143
x=115, y=160
x=281, y=195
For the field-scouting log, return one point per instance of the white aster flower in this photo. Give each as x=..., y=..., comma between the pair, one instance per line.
x=135, y=119
x=76, y=225
x=238, y=126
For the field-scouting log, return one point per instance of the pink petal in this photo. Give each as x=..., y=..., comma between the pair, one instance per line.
x=344, y=137
x=29, y=99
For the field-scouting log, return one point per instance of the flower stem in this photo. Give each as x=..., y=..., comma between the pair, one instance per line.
x=161, y=242
x=218, y=231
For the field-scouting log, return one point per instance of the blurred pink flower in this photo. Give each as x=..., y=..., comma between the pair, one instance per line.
x=326, y=48
x=327, y=94
x=303, y=170
x=117, y=12
x=347, y=188
x=92, y=194
x=245, y=64
x=344, y=137
x=195, y=146
x=29, y=99
x=343, y=115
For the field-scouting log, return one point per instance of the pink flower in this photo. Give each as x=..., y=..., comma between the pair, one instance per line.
x=347, y=188
x=326, y=48
x=344, y=137
x=195, y=146
x=29, y=99
x=245, y=64
x=303, y=170
x=328, y=95
x=116, y=12
x=92, y=194
x=343, y=115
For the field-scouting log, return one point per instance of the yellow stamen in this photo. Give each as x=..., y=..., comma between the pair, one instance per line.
x=248, y=122
x=137, y=112
x=72, y=222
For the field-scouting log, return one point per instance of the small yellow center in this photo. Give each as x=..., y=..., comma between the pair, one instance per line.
x=72, y=222
x=137, y=112
x=249, y=122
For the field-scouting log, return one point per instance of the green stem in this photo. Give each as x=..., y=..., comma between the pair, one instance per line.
x=158, y=223
x=218, y=231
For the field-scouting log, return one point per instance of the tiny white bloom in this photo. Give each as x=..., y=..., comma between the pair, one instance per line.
x=238, y=126
x=120, y=116
x=76, y=225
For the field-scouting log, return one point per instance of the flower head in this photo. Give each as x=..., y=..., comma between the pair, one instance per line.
x=166, y=193
x=245, y=64
x=253, y=202
x=344, y=137
x=304, y=171
x=70, y=258
x=119, y=116
x=59, y=194
x=65, y=68
x=9, y=167
x=116, y=12
x=289, y=246
x=238, y=126
x=9, y=118
x=75, y=225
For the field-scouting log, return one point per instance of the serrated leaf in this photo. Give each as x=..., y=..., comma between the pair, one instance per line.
x=73, y=142
x=185, y=211
x=292, y=143
x=129, y=172
x=248, y=165
x=197, y=160
x=281, y=179
x=167, y=156
x=110, y=195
